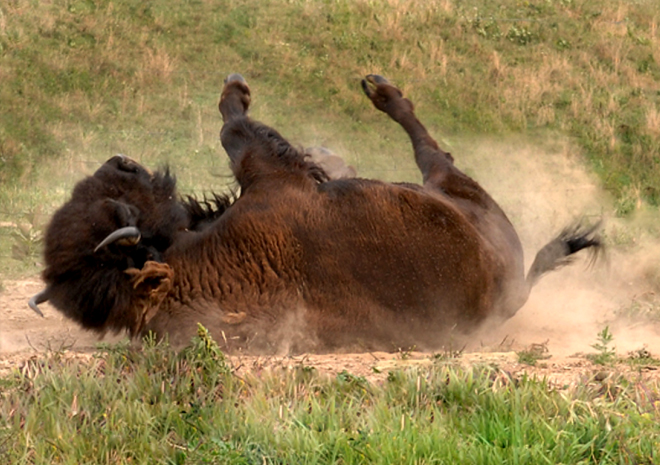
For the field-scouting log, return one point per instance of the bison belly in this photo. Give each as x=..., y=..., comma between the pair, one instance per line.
x=390, y=280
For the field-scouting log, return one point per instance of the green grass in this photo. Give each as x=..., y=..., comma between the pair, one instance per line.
x=86, y=79
x=605, y=351
x=532, y=354
x=159, y=406
x=83, y=80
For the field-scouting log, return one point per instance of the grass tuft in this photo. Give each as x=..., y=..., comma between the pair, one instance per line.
x=606, y=352
x=532, y=354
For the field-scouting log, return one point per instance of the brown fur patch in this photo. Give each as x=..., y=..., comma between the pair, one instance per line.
x=151, y=284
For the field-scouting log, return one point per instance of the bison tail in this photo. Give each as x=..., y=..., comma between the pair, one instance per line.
x=559, y=252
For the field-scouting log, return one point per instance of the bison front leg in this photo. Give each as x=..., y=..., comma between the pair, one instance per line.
x=258, y=152
x=436, y=165
x=234, y=103
x=239, y=131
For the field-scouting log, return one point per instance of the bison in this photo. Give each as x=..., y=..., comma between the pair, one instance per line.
x=296, y=260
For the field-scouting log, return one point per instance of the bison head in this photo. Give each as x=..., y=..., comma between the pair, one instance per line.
x=118, y=219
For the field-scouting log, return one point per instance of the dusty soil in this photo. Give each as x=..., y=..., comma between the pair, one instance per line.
x=22, y=330
x=23, y=335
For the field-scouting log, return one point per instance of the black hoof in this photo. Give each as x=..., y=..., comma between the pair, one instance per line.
x=376, y=79
x=371, y=81
x=235, y=77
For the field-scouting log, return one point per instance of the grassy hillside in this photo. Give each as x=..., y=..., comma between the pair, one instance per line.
x=82, y=80
x=89, y=78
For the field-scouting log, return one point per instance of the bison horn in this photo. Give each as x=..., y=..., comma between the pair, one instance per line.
x=129, y=235
x=37, y=299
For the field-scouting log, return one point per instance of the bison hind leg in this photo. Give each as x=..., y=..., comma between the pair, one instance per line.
x=235, y=99
x=436, y=165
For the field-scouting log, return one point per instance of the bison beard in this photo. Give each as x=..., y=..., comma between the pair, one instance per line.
x=304, y=258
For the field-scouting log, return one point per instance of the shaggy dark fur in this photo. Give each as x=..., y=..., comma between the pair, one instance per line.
x=203, y=213
x=92, y=287
x=297, y=261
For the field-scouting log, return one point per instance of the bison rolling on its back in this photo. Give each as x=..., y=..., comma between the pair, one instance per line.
x=333, y=259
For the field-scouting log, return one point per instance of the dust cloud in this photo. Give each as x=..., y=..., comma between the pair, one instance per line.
x=543, y=187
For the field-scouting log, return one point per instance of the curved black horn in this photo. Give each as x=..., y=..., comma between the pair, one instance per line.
x=37, y=299
x=129, y=235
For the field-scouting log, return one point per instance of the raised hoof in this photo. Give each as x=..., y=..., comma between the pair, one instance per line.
x=235, y=98
x=370, y=82
x=235, y=77
x=376, y=79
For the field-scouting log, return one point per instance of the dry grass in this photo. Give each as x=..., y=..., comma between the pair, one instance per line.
x=157, y=65
x=89, y=80
x=653, y=121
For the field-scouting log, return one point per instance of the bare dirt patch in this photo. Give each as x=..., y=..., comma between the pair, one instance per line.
x=24, y=335
x=22, y=330
x=560, y=372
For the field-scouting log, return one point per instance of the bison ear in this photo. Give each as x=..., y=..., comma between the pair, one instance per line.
x=126, y=214
x=151, y=284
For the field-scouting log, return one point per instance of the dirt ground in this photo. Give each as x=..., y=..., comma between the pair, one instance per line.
x=22, y=330
x=23, y=334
